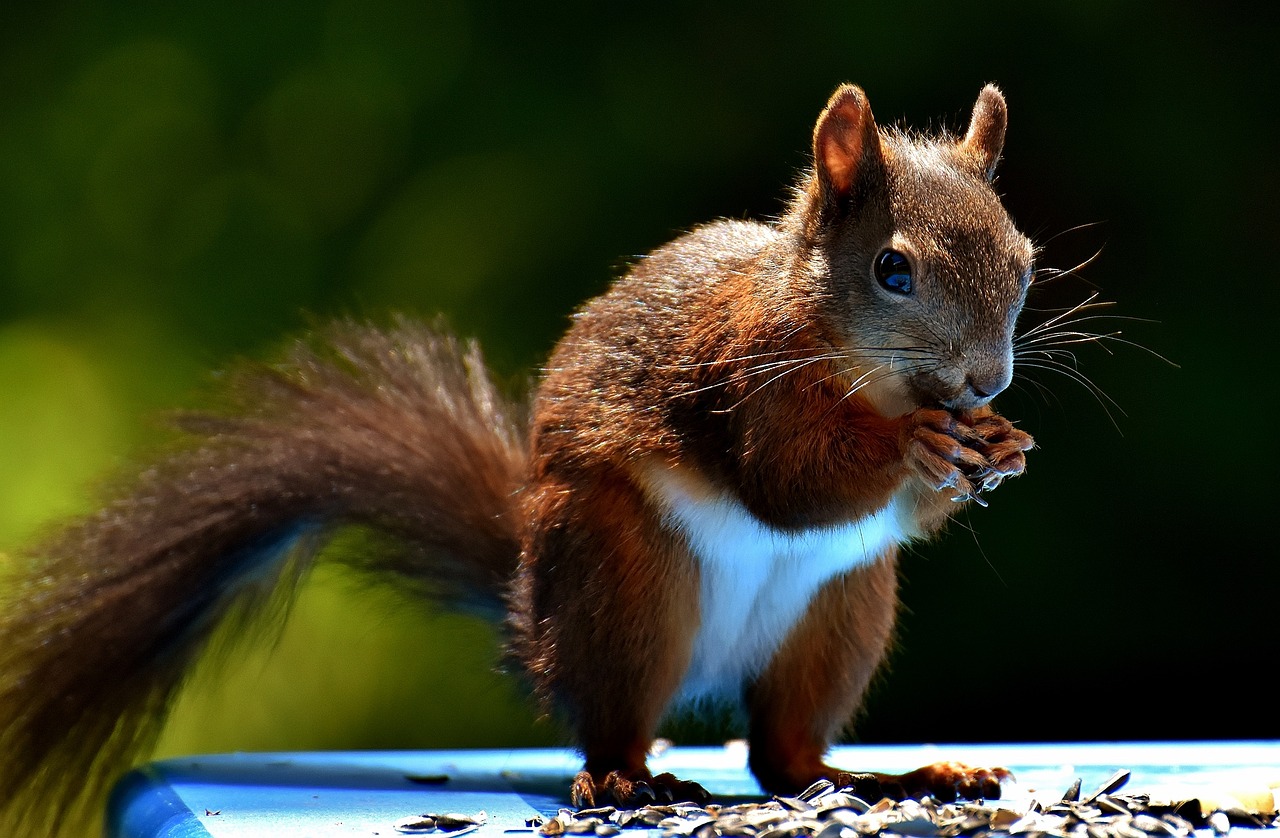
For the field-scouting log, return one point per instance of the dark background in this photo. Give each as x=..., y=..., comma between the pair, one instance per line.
x=182, y=185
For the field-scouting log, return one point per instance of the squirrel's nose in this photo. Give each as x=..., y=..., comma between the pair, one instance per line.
x=975, y=380
x=983, y=385
x=982, y=382
x=982, y=388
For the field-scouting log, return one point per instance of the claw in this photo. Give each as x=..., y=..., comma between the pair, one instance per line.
x=973, y=496
x=642, y=794
x=617, y=788
x=582, y=793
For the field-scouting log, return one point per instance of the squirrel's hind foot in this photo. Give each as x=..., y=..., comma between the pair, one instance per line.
x=618, y=789
x=944, y=781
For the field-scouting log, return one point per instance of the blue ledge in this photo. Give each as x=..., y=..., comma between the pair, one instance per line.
x=365, y=793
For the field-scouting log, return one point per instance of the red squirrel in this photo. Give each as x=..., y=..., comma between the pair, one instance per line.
x=703, y=501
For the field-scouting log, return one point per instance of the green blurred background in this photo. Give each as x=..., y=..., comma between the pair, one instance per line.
x=181, y=184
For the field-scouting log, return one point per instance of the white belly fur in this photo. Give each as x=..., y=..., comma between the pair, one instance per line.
x=757, y=581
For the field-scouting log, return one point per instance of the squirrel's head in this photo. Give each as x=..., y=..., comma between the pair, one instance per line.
x=924, y=269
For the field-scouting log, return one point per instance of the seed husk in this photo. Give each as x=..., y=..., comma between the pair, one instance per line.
x=1117, y=781
x=826, y=810
x=1072, y=793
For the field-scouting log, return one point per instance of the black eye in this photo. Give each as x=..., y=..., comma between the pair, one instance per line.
x=893, y=271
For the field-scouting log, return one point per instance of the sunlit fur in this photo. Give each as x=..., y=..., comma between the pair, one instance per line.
x=791, y=396
x=744, y=423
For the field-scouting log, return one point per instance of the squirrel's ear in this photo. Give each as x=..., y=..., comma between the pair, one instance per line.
x=985, y=137
x=845, y=141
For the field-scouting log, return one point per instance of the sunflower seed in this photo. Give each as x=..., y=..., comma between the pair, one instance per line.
x=824, y=810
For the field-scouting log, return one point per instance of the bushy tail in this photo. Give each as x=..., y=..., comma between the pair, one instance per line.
x=401, y=430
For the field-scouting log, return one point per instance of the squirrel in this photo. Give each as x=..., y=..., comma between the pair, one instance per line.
x=702, y=500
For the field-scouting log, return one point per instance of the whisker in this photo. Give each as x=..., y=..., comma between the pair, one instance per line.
x=1044, y=391
x=1067, y=338
x=861, y=381
x=1115, y=338
x=1058, y=273
x=834, y=353
x=730, y=360
x=760, y=369
x=1075, y=322
x=967, y=524
x=1088, y=318
x=1053, y=354
x=1074, y=374
x=890, y=356
x=785, y=372
x=1084, y=305
x=1075, y=229
x=866, y=380
x=788, y=365
x=766, y=354
x=1064, y=338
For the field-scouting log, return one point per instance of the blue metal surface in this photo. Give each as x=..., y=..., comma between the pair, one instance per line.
x=365, y=793
x=144, y=803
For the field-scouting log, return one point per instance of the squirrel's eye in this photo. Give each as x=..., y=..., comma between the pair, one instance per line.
x=893, y=271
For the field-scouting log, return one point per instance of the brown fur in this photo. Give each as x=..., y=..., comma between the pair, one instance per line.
x=667, y=364
x=759, y=359
x=818, y=678
x=370, y=427
x=614, y=606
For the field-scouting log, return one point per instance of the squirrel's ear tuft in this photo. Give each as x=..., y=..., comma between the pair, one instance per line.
x=845, y=141
x=985, y=138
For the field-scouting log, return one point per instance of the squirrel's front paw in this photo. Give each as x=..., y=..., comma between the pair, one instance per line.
x=1002, y=445
x=943, y=453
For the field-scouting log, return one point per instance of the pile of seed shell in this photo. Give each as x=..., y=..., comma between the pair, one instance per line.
x=824, y=811
x=451, y=823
